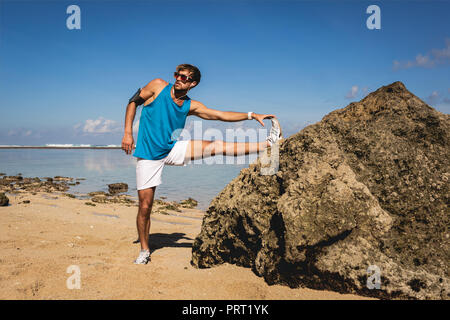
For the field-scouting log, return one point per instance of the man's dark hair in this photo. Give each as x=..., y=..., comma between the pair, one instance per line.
x=196, y=75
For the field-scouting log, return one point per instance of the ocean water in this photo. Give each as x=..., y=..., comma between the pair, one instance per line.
x=100, y=167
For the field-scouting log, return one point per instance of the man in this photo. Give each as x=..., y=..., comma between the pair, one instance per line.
x=164, y=113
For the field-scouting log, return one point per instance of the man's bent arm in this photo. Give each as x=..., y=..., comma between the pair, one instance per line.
x=146, y=93
x=127, y=140
x=129, y=118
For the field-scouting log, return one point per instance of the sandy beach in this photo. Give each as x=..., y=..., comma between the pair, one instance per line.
x=39, y=240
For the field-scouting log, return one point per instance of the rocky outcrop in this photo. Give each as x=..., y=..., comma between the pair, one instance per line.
x=114, y=198
x=4, y=201
x=361, y=196
x=20, y=184
x=163, y=206
x=189, y=203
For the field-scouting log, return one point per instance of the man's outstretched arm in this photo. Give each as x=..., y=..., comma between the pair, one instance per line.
x=146, y=93
x=200, y=110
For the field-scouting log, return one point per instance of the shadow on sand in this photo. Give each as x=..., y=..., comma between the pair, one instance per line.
x=161, y=240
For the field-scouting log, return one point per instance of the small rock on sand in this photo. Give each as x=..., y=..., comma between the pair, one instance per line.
x=117, y=187
x=189, y=203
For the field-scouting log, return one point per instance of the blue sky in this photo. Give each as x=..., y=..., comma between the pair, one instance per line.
x=296, y=59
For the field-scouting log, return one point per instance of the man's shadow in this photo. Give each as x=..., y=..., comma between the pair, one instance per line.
x=161, y=240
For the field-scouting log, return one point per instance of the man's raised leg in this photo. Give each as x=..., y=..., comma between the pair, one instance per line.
x=198, y=149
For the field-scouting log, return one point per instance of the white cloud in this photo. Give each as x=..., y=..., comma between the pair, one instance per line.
x=420, y=61
x=352, y=93
x=442, y=53
x=437, y=56
x=101, y=125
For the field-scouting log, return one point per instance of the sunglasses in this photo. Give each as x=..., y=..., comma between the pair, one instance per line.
x=183, y=77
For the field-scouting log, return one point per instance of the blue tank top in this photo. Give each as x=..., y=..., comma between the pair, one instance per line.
x=160, y=126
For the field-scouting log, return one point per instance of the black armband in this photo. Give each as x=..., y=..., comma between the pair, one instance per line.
x=136, y=98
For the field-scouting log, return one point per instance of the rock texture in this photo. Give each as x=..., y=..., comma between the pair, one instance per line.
x=4, y=201
x=18, y=183
x=364, y=189
x=117, y=187
x=103, y=197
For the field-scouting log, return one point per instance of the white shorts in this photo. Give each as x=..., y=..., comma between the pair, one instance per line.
x=148, y=172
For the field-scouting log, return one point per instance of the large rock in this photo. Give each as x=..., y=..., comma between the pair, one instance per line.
x=364, y=189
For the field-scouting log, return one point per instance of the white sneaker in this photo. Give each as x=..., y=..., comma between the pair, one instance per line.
x=144, y=257
x=275, y=132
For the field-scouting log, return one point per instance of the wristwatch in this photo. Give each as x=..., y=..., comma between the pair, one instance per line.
x=249, y=115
